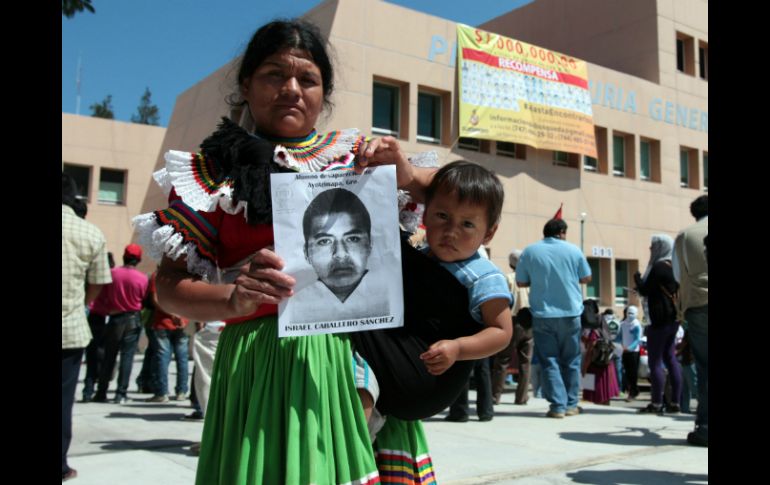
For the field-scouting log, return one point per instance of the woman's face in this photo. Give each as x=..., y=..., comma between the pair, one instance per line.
x=285, y=94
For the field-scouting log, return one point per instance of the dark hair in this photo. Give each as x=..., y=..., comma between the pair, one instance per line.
x=471, y=182
x=81, y=208
x=554, y=227
x=131, y=260
x=335, y=201
x=700, y=207
x=69, y=190
x=110, y=260
x=280, y=34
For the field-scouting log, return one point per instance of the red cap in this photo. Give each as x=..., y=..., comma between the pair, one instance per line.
x=133, y=251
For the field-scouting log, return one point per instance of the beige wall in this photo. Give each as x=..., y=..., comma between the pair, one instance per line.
x=100, y=143
x=371, y=38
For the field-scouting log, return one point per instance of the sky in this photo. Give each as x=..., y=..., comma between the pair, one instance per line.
x=170, y=45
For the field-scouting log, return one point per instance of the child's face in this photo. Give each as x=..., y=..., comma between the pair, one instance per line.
x=455, y=231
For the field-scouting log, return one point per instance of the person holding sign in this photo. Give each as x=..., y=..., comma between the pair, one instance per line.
x=280, y=410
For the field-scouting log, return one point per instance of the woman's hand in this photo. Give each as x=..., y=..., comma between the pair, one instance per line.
x=385, y=151
x=440, y=356
x=260, y=282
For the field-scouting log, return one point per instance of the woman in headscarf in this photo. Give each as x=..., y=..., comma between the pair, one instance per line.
x=658, y=289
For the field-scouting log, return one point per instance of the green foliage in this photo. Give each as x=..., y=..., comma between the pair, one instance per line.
x=103, y=109
x=146, y=112
x=70, y=7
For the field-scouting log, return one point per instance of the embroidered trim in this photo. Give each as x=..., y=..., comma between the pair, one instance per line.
x=399, y=467
x=165, y=232
x=335, y=150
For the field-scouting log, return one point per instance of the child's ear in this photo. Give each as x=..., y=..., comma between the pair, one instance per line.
x=490, y=233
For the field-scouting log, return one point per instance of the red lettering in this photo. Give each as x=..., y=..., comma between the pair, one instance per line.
x=519, y=48
x=500, y=43
x=478, y=35
x=551, y=57
x=509, y=45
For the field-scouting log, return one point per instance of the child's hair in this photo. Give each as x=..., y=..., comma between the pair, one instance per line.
x=471, y=182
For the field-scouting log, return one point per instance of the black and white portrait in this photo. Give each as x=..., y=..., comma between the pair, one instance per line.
x=349, y=250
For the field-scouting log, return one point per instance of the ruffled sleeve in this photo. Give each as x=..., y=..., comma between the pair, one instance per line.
x=188, y=227
x=178, y=231
x=194, y=178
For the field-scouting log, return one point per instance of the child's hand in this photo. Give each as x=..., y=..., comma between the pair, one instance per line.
x=440, y=356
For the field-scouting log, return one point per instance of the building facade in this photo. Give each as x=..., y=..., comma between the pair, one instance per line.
x=648, y=72
x=112, y=163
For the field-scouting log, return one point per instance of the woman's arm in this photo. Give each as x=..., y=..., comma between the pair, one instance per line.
x=492, y=339
x=260, y=282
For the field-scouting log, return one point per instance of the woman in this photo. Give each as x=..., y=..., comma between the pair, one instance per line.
x=605, y=376
x=658, y=287
x=279, y=411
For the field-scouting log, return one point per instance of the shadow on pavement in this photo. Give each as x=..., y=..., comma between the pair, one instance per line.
x=150, y=417
x=636, y=477
x=628, y=436
x=179, y=447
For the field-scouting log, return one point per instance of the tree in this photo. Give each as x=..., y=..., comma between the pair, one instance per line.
x=146, y=112
x=70, y=7
x=103, y=109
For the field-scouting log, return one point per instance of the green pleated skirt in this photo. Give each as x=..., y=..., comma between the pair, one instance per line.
x=286, y=411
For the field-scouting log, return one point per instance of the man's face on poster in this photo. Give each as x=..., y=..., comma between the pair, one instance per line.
x=338, y=249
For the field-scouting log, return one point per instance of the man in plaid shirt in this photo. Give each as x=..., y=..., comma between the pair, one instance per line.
x=84, y=270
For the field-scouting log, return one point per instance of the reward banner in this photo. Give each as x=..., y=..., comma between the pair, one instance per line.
x=517, y=92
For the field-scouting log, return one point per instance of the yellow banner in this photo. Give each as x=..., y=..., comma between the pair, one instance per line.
x=517, y=92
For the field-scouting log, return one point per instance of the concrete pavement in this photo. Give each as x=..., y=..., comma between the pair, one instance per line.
x=147, y=443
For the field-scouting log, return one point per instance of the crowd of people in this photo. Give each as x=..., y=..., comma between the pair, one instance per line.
x=294, y=409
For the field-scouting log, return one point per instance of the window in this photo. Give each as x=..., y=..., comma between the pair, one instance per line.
x=385, y=109
x=621, y=282
x=680, y=55
x=590, y=164
x=82, y=176
x=703, y=56
x=649, y=163
x=684, y=168
x=473, y=144
x=112, y=187
x=618, y=156
x=592, y=287
x=602, y=148
x=565, y=159
x=689, y=168
x=506, y=149
x=685, y=54
x=705, y=171
x=560, y=158
x=645, y=151
x=429, y=118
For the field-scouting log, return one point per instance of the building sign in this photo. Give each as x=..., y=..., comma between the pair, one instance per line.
x=517, y=92
x=600, y=252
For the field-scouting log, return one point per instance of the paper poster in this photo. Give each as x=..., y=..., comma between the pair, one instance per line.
x=517, y=92
x=338, y=235
x=588, y=382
